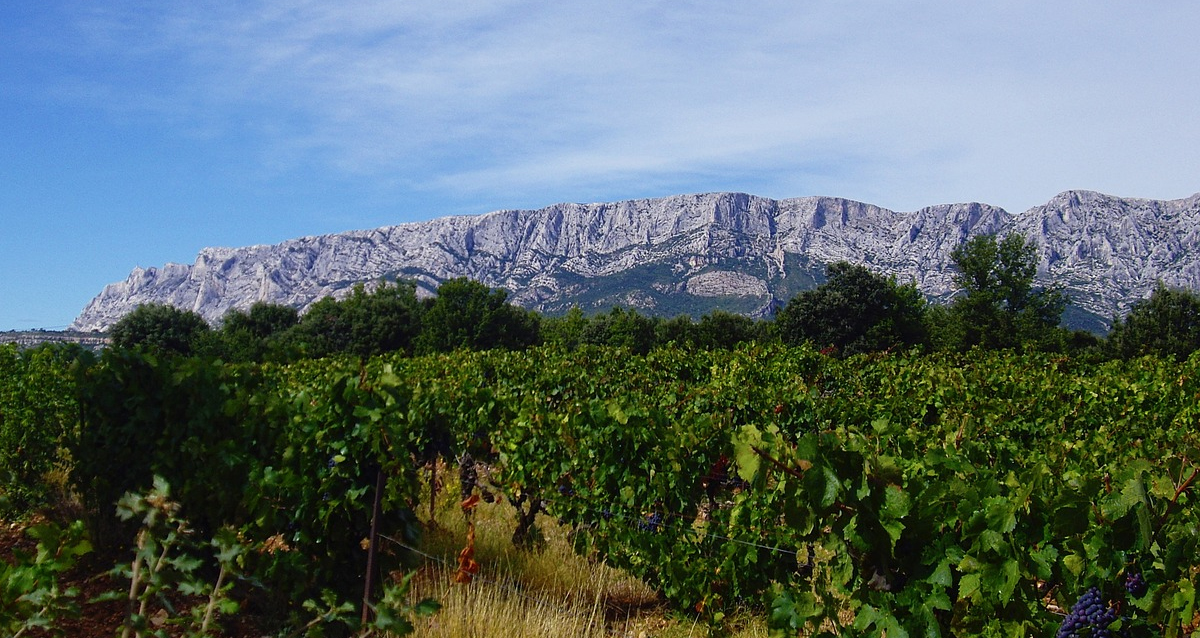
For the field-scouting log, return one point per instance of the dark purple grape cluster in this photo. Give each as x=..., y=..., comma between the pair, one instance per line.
x=1090, y=617
x=651, y=523
x=1135, y=584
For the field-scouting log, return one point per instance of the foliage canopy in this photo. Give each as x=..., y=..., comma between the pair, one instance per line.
x=854, y=311
x=1166, y=325
x=998, y=305
x=159, y=327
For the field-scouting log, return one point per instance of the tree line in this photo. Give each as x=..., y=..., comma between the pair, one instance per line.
x=996, y=306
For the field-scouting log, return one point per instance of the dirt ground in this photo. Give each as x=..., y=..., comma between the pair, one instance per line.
x=90, y=576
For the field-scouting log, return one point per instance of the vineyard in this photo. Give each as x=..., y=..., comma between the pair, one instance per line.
x=981, y=494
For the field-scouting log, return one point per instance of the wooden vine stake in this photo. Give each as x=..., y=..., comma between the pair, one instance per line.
x=372, y=547
x=432, y=492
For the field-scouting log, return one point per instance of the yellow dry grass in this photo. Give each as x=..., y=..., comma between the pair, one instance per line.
x=546, y=592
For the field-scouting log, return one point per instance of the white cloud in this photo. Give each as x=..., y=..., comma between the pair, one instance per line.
x=912, y=103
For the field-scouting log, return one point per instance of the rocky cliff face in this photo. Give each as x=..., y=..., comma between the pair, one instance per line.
x=1109, y=252
x=688, y=253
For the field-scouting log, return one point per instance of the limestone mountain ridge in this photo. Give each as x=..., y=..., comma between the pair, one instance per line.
x=687, y=253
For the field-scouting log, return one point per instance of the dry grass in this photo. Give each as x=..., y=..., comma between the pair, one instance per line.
x=503, y=608
x=547, y=592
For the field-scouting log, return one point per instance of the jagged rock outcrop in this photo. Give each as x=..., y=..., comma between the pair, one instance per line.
x=687, y=253
x=1109, y=251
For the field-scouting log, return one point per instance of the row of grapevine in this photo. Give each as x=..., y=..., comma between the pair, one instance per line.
x=976, y=494
x=37, y=412
x=945, y=495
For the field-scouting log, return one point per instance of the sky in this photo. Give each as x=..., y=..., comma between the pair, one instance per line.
x=136, y=132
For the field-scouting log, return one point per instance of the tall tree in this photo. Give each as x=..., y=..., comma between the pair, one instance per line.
x=565, y=331
x=161, y=328
x=1167, y=325
x=855, y=310
x=250, y=335
x=679, y=330
x=623, y=328
x=998, y=305
x=721, y=329
x=262, y=320
x=468, y=314
x=385, y=319
x=324, y=330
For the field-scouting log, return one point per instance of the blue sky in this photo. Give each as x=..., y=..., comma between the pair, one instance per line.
x=135, y=133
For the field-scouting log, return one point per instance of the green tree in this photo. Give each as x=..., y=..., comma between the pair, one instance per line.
x=468, y=314
x=322, y=331
x=262, y=320
x=1167, y=324
x=855, y=310
x=251, y=335
x=720, y=329
x=623, y=328
x=998, y=305
x=565, y=331
x=161, y=328
x=680, y=330
x=385, y=319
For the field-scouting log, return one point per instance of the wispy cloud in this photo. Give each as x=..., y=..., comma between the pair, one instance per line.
x=138, y=131
x=938, y=100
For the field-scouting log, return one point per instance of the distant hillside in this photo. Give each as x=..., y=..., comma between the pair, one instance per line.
x=30, y=338
x=689, y=253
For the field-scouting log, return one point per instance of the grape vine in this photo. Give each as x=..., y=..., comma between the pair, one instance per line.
x=945, y=494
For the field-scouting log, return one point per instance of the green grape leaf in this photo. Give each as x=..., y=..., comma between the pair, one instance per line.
x=748, y=460
x=968, y=586
x=1075, y=563
x=896, y=503
x=1001, y=515
x=941, y=574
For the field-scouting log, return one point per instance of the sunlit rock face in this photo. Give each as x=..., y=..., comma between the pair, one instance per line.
x=686, y=253
x=1109, y=252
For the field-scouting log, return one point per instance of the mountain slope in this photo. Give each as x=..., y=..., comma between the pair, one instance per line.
x=686, y=253
x=1109, y=252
